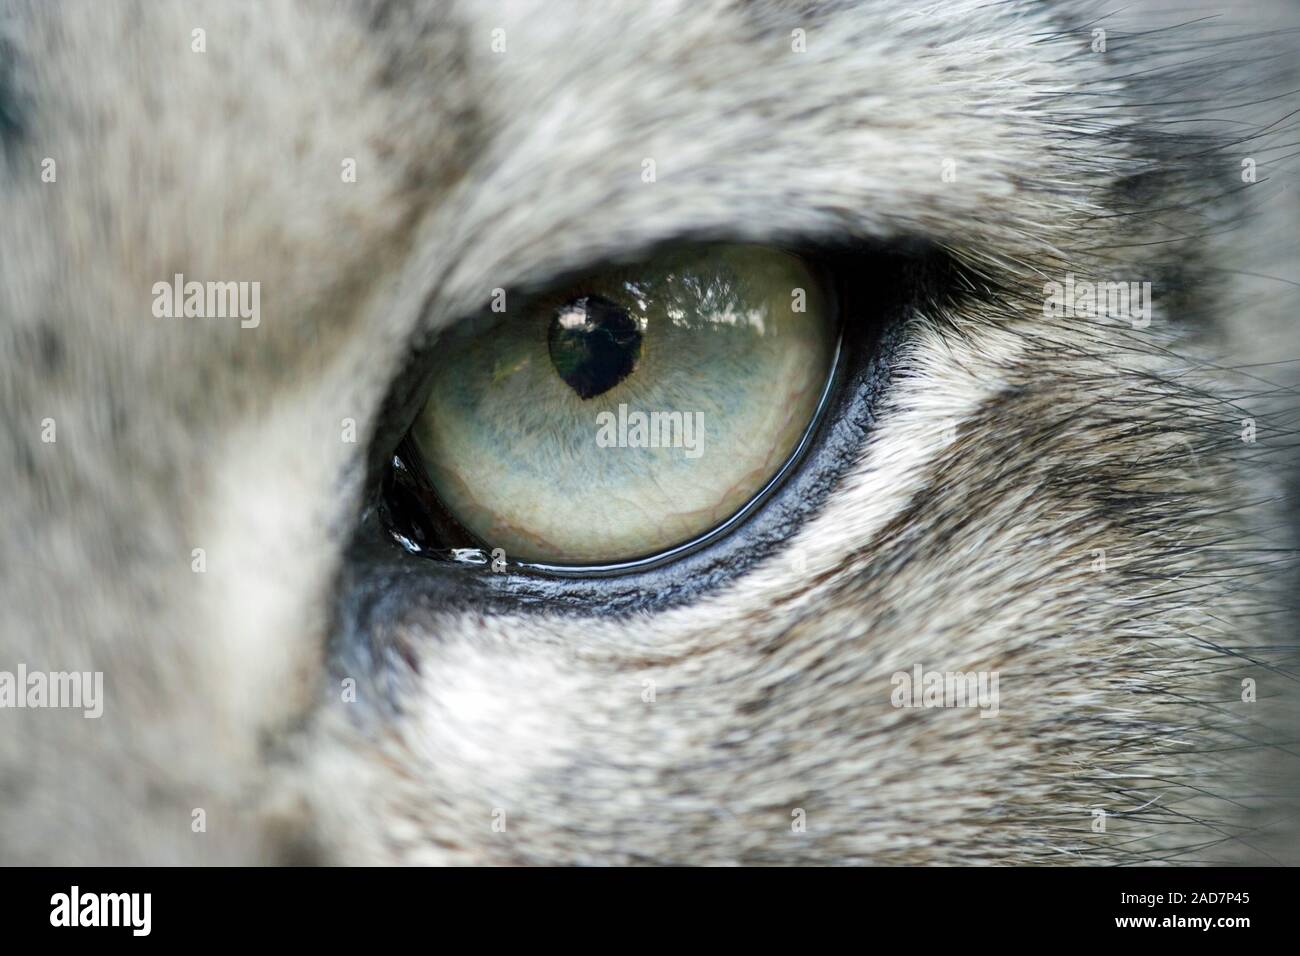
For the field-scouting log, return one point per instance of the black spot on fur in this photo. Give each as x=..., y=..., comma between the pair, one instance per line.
x=50, y=352
x=12, y=109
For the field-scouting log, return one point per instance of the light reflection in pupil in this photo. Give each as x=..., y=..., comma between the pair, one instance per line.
x=594, y=344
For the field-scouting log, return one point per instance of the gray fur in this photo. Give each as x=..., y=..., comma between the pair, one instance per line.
x=958, y=549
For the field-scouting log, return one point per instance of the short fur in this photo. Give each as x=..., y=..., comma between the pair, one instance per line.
x=957, y=548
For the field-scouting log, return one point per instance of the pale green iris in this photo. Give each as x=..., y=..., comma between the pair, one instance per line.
x=631, y=411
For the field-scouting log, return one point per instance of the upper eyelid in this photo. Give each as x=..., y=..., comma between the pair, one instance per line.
x=451, y=300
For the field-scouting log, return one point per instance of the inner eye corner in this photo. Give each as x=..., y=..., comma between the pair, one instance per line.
x=590, y=343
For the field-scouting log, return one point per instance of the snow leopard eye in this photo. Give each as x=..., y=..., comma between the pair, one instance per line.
x=631, y=411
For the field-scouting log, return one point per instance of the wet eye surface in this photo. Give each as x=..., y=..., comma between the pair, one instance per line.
x=630, y=412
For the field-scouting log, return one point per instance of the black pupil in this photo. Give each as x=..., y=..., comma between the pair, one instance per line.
x=594, y=344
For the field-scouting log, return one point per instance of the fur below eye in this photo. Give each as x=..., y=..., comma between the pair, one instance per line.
x=631, y=411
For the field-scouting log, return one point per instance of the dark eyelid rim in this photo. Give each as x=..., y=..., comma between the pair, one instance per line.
x=879, y=291
x=459, y=539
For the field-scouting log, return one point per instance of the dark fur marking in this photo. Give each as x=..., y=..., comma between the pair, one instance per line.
x=13, y=110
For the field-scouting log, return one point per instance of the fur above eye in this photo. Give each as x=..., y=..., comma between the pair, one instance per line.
x=630, y=411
